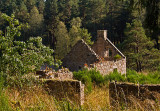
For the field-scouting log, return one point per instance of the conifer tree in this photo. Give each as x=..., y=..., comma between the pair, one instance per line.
x=35, y=22
x=51, y=21
x=41, y=6
x=138, y=48
x=23, y=14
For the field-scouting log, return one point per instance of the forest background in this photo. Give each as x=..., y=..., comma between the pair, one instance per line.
x=132, y=24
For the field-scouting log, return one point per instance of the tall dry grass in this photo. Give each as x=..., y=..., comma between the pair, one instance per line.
x=97, y=100
x=31, y=99
x=37, y=99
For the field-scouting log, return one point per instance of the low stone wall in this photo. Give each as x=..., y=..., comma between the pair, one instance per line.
x=61, y=74
x=106, y=67
x=143, y=97
x=71, y=90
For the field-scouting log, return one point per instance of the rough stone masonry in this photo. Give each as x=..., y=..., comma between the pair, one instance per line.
x=101, y=55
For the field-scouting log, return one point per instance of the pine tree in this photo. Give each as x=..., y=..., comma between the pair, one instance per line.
x=152, y=16
x=138, y=48
x=23, y=14
x=41, y=6
x=30, y=4
x=51, y=21
x=35, y=22
x=68, y=9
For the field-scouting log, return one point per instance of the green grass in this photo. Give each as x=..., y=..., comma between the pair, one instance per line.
x=4, y=103
x=89, y=77
x=134, y=77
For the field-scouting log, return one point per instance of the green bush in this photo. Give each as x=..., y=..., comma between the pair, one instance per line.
x=19, y=57
x=27, y=80
x=115, y=76
x=150, y=78
x=116, y=57
x=88, y=77
x=133, y=77
x=96, y=77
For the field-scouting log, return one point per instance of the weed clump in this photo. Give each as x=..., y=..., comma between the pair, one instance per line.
x=4, y=103
x=134, y=77
x=88, y=77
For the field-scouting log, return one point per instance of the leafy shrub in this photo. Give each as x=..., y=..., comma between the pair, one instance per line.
x=116, y=57
x=134, y=77
x=114, y=76
x=96, y=77
x=151, y=78
x=88, y=77
x=19, y=57
x=27, y=80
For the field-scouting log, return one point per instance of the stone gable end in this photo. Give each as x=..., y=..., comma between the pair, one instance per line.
x=100, y=56
x=79, y=55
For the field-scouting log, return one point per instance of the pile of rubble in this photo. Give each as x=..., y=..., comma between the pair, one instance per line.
x=62, y=74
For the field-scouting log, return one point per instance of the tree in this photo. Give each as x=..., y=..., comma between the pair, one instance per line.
x=92, y=12
x=152, y=16
x=30, y=4
x=76, y=33
x=152, y=19
x=51, y=21
x=23, y=14
x=62, y=41
x=138, y=48
x=36, y=22
x=67, y=10
x=41, y=6
x=18, y=57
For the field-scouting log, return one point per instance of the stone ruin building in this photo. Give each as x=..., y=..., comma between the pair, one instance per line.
x=102, y=55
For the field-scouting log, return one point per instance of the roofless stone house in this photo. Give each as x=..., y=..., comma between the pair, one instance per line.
x=102, y=56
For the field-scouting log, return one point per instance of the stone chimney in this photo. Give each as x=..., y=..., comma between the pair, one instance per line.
x=102, y=33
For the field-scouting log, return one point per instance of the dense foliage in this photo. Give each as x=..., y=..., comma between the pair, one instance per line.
x=89, y=77
x=132, y=24
x=93, y=77
x=78, y=18
x=18, y=57
x=134, y=77
x=139, y=49
x=4, y=104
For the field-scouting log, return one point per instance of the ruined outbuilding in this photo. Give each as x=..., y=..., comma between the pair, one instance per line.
x=102, y=55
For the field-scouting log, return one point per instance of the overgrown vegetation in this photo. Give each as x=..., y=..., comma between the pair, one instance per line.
x=61, y=23
x=134, y=77
x=139, y=49
x=4, y=100
x=18, y=58
x=89, y=78
x=93, y=77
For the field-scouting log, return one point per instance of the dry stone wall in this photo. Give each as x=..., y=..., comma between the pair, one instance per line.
x=101, y=56
x=106, y=67
x=72, y=91
x=80, y=55
x=143, y=97
x=61, y=74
